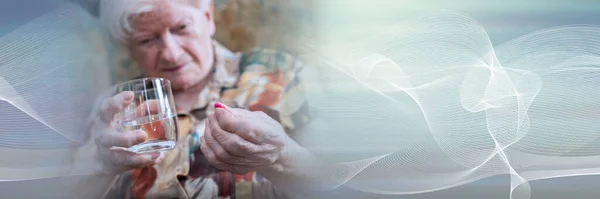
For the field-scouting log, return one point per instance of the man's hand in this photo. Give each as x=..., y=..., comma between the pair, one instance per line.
x=240, y=141
x=107, y=138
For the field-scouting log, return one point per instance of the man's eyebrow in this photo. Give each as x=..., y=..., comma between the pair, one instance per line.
x=137, y=34
x=184, y=20
x=145, y=31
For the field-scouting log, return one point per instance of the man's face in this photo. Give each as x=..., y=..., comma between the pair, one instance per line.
x=174, y=41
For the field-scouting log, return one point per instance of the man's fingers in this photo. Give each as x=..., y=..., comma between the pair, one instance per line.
x=230, y=142
x=134, y=160
x=121, y=139
x=148, y=108
x=112, y=105
x=227, y=120
x=241, y=127
x=211, y=156
x=215, y=147
x=121, y=160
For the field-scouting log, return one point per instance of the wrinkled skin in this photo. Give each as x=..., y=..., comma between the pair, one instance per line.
x=240, y=141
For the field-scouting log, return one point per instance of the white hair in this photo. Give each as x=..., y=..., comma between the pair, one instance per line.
x=115, y=14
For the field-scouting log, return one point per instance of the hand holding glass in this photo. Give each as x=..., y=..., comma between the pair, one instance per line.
x=152, y=111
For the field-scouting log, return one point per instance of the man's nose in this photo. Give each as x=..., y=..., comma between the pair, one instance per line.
x=171, y=50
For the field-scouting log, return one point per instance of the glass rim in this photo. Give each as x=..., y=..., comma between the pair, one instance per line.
x=165, y=84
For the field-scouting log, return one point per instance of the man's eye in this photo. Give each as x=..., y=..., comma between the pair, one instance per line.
x=182, y=27
x=144, y=41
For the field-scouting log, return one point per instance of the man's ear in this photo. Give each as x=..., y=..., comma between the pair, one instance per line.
x=210, y=16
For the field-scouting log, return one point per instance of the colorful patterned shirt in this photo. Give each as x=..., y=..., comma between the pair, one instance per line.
x=260, y=80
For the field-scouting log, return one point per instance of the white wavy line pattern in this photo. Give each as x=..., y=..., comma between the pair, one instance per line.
x=440, y=106
x=51, y=72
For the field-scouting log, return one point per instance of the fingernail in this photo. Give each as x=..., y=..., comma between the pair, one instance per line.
x=219, y=105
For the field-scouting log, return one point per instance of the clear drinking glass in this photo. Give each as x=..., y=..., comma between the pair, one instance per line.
x=152, y=111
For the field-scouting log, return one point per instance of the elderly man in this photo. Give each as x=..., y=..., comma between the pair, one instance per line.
x=219, y=155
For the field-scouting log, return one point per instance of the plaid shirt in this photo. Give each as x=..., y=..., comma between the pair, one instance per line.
x=260, y=80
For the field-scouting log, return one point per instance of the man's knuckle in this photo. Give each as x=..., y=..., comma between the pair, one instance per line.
x=203, y=147
x=206, y=150
x=257, y=136
x=210, y=157
x=226, y=125
x=221, y=154
x=245, y=124
x=220, y=136
x=237, y=147
x=245, y=148
x=212, y=126
x=271, y=147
